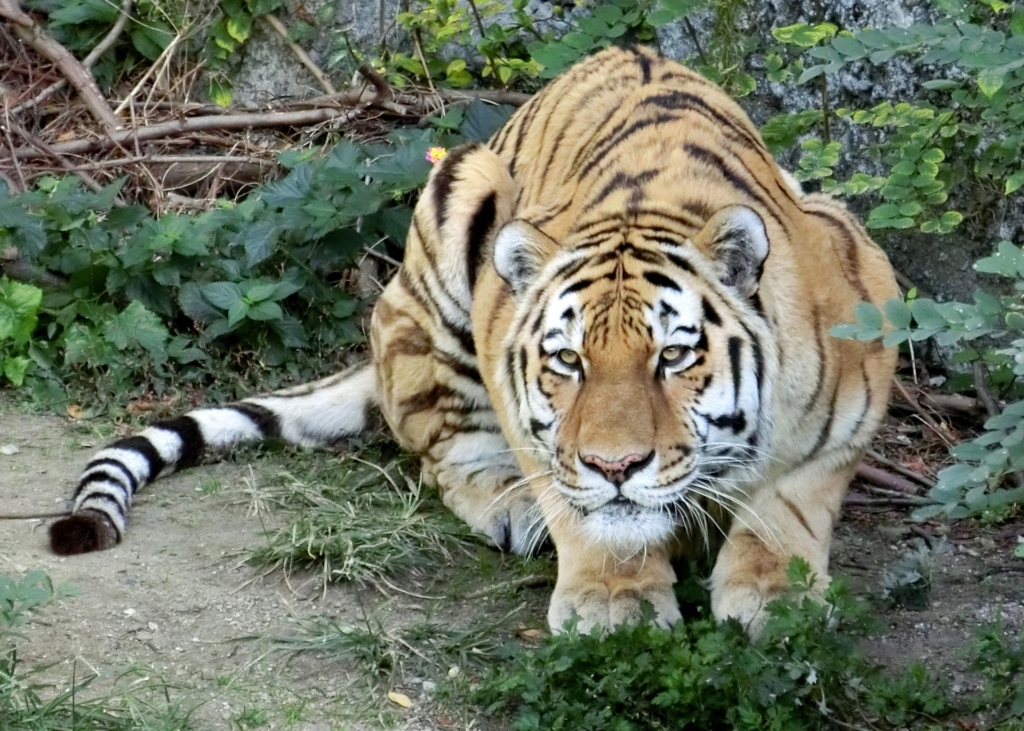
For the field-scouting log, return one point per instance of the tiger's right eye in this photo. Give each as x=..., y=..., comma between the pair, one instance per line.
x=568, y=358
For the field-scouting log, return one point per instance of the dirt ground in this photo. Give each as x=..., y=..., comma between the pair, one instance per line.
x=176, y=601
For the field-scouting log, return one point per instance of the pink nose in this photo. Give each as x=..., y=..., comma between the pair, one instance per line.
x=617, y=471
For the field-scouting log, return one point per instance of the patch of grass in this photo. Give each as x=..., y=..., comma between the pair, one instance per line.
x=28, y=705
x=358, y=518
x=427, y=646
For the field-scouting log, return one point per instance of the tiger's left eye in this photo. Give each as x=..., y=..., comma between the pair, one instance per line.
x=568, y=357
x=673, y=355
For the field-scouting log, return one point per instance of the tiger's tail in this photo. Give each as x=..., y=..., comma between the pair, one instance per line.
x=318, y=413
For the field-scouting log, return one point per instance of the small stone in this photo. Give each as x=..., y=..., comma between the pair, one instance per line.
x=453, y=671
x=9, y=449
x=129, y=582
x=429, y=686
x=153, y=626
x=129, y=612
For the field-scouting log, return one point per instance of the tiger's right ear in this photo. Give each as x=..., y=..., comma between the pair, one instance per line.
x=520, y=252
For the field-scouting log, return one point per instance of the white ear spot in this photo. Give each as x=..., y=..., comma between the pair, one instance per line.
x=738, y=243
x=519, y=254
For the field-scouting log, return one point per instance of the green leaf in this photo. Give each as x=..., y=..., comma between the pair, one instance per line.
x=259, y=291
x=15, y=369
x=804, y=35
x=136, y=326
x=260, y=241
x=989, y=82
x=868, y=315
x=1014, y=182
x=237, y=313
x=222, y=294
x=898, y=313
x=239, y=26
x=151, y=38
x=265, y=311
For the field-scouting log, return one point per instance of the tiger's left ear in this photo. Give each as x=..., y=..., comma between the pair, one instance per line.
x=736, y=242
x=520, y=252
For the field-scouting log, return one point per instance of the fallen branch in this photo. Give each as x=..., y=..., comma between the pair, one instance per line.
x=897, y=467
x=89, y=181
x=94, y=55
x=29, y=32
x=856, y=499
x=196, y=124
x=880, y=477
x=303, y=57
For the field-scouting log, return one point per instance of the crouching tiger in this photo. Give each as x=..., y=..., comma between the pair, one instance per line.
x=610, y=327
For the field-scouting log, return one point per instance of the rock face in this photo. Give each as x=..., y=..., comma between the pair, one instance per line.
x=940, y=265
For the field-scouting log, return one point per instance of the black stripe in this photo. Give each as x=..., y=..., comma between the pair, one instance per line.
x=145, y=448
x=444, y=178
x=680, y=262
x=478, y=230
x=714, y=160
x=710, y=313
x=192, y=442
x=265, y=420
x=101, y=476
x=737, y=421
x=107, y=499
x=577, y=286
x=110, y=462
x=611, y=143
x=660, y=280
x=734, y=364
x=645, y=68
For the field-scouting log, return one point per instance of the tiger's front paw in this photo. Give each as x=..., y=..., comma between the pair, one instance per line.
x=603, y=605
x=747, y=602
x=517, y=526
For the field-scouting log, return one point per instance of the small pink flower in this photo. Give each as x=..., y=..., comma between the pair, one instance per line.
x=436, y=154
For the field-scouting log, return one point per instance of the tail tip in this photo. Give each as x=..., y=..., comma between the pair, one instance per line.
x=84, y=532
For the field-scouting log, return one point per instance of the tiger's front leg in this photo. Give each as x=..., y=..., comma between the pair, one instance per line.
x=792, y=517
x=436, y=406
x=603, y=587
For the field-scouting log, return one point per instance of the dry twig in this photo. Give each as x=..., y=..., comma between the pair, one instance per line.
x=26, y=29
x=880, y=477
x=94, y=55
x=278, y=27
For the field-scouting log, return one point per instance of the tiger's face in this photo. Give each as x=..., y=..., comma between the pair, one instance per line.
x=644, y=384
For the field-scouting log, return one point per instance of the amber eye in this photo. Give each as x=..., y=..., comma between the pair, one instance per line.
x=568, y=358
x=673, y=355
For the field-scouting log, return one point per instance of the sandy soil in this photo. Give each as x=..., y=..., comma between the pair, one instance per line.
x=175, y=599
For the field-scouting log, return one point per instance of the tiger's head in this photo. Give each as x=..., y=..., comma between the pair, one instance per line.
x=638, y=368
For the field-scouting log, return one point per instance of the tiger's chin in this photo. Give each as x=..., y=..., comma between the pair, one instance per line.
x=626, y=528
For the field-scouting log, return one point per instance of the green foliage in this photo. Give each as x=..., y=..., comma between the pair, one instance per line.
x=963, y=134
x=990, y=329
x=19, y=312
x=153, y=297
x=442, y=22
x=803, y=672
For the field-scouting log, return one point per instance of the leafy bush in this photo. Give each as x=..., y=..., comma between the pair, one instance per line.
x=153, y=299
x=977, y=483
x=803, y=672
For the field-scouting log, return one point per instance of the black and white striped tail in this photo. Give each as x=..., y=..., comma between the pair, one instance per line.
x=318, y=413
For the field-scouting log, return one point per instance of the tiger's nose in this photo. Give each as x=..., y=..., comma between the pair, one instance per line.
x=619, y=470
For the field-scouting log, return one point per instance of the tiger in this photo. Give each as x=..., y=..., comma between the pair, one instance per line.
x=610, y=330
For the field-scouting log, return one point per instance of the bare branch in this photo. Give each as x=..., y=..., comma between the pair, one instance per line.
x=196, y=124
x=300, y=53
x=26, y=29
